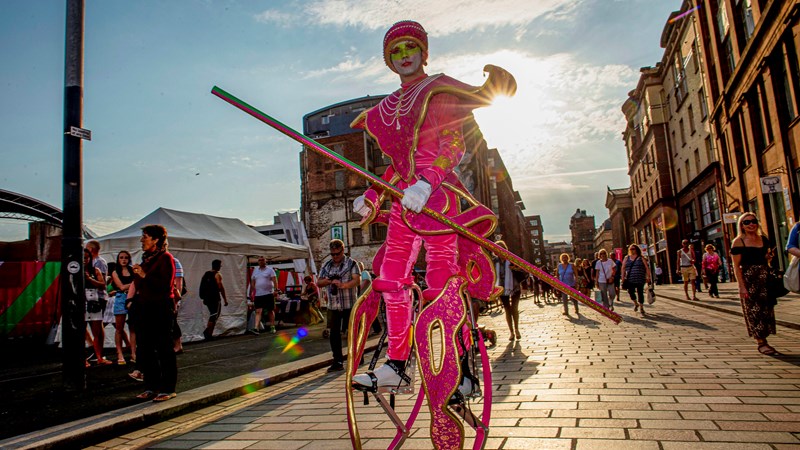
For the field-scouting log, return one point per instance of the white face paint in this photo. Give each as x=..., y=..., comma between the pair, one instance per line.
x=407, y=58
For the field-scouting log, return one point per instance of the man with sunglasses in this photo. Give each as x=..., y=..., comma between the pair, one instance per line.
x=341, y=276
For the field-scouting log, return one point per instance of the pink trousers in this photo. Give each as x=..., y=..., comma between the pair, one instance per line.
x=395, y=277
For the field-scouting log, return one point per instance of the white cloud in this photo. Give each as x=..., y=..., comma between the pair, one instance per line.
x=351, y=68
x=108, y=225
x=274, y=16
x=439, y=18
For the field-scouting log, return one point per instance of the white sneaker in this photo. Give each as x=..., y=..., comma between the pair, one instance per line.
x=386, y=375
x=465, y=388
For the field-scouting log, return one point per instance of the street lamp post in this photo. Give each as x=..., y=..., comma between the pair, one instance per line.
x=73, y=298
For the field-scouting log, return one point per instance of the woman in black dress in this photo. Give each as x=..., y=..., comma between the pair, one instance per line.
x=752, y=252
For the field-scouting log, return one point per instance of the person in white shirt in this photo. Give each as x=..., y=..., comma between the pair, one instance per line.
x=604, y=271
x=262, y=291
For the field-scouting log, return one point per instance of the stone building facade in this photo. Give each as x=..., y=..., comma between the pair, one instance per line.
x=620, y=211
x=753, y=70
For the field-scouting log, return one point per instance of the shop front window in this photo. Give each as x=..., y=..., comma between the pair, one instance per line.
x=709, y=207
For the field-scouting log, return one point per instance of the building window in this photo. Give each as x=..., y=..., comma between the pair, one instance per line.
x=709, y=207
x=695, y=56
x=709, y=150
x=701, y=99
x=739, y=140
x=339, y=177
x=748, y=24
x=697, y=164
x=534, y=222
x=688, y=172
x=683, y=132
x=756, y=119
x=674, y=144
x=358, y=237
x=535, y=232
x=678, y=178
x=765, y=114
x=752, y=206
x=377, y=232
x=688, y=217
x=787, y=73
x=690, y=111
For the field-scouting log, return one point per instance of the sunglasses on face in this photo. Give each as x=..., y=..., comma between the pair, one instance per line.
x=339, y=253
x=750, y=222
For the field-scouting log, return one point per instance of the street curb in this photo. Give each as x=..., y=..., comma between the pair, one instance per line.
x=782, y=323
x=102, y=427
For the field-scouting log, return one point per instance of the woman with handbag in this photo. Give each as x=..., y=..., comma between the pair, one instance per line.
x=711, y=264
x=566, y=274
x=752, y=252
x=121, y=279
x=95, y=305
x=635, y=274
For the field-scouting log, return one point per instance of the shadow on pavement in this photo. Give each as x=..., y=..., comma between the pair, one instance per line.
x=680, y=321
x=33, y=374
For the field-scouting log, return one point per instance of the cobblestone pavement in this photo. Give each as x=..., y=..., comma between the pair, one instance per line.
x=682, y=377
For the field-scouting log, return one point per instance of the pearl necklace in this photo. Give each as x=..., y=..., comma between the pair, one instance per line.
x=391, y=110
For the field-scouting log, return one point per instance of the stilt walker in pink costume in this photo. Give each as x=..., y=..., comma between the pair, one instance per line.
x=419, y=127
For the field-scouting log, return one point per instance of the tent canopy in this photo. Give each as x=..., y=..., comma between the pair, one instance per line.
x=203, y=233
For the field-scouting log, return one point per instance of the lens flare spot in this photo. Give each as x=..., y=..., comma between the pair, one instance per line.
x=670, y=218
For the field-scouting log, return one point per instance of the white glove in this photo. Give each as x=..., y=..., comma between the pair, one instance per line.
x=416, y=195
x=360, y=207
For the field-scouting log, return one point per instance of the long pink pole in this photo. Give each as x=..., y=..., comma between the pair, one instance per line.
x=391, y=189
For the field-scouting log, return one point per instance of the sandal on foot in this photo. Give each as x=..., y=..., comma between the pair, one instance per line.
x=766, y=349
x=104, y=362
x=164, y=397
x=146, y=395
x=121, y=362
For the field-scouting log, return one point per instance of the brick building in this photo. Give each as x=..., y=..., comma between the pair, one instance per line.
x=507, y=204
x=536, y=232
x=583, y=229
x=328, y=190
x=753, y=71
x=650, y=166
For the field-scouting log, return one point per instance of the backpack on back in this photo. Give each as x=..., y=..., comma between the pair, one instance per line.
x=209, y=291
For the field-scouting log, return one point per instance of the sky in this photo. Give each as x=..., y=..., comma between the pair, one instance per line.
x=160, y=139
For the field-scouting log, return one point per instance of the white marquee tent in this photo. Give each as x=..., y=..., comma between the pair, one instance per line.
x=196, y=240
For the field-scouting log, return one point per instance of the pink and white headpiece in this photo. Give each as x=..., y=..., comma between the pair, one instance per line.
x=405, y=30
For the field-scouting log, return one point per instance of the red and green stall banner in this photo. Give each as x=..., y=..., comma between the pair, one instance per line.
x=29, y=298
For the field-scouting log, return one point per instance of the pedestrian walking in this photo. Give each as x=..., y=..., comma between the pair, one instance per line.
x=751, y=252
x=509, y=279
x=566, y=274
x=262, y=291
x=341, y=276
x=212, y=291
x=686, y=269
x=635, y=274
x=711, y=264
x=604, y=272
